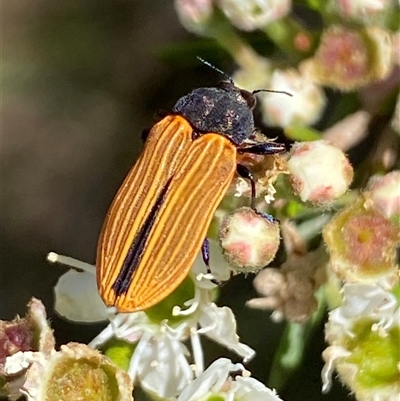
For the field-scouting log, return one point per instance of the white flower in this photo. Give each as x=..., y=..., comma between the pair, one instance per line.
x=256, y=76
x=363, y=301
x=363, y=336
x=160, y=359
x=253, y=14
x=303, y=108
x=217, y=381
x=361, y=10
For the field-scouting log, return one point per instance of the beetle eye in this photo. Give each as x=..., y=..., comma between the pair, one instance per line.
x=226, y=85
x=249, y=97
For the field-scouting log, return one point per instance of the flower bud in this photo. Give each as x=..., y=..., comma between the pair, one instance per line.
x=319, y=171
x=194, y=14
x=383, y=194
x=253, y=78
x=304, y=108
x=254, y=14
x=366, y=11
x=249, y=240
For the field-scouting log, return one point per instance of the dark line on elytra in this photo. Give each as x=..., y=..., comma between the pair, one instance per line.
x=135, y=253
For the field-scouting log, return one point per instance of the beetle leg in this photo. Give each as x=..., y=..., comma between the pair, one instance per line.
x=205, y=251
x=266, y=148
x=244, y=172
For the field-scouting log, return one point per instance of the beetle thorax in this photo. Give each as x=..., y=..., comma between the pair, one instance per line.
x=222, y=110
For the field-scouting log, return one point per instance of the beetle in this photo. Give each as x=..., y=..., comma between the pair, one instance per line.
x=159, y=217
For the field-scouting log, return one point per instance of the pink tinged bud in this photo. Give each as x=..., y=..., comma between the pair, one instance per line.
x=249, y=240
x=319, y=171
x=362, y=246
x=304, y=108
x=383, y=194
x=249, y=15
x=194, y=14
x=348, y=59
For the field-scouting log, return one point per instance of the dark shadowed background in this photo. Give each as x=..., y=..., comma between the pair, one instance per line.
x=81, y=80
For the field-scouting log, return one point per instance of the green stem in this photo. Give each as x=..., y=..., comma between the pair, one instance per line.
x=292, y=346
x=222, y=31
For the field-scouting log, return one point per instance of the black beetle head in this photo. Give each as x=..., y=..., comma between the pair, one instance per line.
x=224, y=109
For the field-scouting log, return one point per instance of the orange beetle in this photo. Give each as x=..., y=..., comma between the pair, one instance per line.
x=159, y=218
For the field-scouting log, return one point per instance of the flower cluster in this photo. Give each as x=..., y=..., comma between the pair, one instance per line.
x=328, y=226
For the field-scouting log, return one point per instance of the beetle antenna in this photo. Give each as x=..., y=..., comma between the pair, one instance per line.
x=228, y=77
x=272, y=91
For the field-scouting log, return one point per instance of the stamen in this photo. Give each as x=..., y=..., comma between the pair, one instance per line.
x=102, y=337
x=197, y=351
x=124, y=325
x=220, y=383
x=194, y=303
x=330, y=355
x=206, y=276
x=175, y=332
x=53, y=257
x=180, y=358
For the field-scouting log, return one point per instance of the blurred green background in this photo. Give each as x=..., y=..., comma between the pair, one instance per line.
x=80, y=81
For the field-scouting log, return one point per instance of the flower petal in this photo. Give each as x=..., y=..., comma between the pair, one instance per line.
x=77, y=298
x=219, y=324
x=210, y=380
x=249, y=389
x=164, y=369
